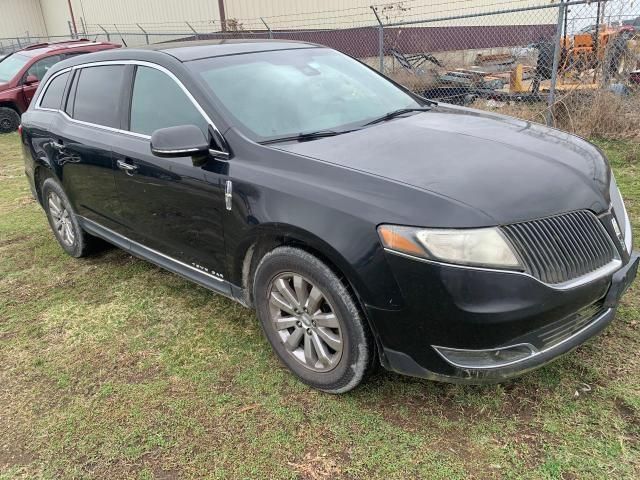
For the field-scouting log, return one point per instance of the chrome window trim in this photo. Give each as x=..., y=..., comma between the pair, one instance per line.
x=123, y=62
x=534, y=351
x=603, y=271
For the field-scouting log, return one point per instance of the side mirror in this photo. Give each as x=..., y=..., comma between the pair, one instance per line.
x=181, y=141
x=31, y=79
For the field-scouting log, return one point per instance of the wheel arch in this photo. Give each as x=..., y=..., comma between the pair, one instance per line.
x=266, y=238
x=11, y=105
x=41, y=172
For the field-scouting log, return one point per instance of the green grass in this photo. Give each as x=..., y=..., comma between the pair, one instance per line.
x=113, y=368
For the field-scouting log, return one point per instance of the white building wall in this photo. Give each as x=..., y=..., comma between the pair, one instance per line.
x=17, y=17
x=21, y=18
x=171, y=15
x=284, y=14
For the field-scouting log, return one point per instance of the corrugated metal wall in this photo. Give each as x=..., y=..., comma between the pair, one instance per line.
x=126, y=12
x=21, y=18
x=284, y=14
x=22, y=15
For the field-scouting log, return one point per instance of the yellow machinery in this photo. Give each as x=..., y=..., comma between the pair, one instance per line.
x=587, y=61
x=600, y=52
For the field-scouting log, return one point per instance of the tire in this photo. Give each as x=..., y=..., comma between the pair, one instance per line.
x=330, y=345
x=63, y=220
x=9, y=120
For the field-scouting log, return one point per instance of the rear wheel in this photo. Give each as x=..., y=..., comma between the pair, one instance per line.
x=9, y=120
x=312, y=321
x=63, y=220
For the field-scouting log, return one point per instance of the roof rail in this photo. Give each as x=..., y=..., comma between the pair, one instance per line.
x=71, y=41
x=36, y=45
x=47, y=44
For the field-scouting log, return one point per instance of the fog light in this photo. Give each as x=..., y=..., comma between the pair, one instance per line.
x=490, y=358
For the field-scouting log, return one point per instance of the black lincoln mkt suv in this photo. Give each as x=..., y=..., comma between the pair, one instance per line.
x=364, y=223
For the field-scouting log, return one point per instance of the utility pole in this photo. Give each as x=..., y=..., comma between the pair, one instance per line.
x=73, y=19
x=223, y=16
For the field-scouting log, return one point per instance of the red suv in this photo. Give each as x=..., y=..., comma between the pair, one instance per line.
x=21, y=72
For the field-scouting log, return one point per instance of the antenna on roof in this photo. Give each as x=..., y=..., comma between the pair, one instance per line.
x=121, y=39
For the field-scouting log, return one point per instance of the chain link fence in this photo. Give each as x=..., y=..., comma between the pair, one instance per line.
x=573, y=64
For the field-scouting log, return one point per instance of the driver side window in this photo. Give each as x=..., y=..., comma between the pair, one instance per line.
x=159, y=102
x=40, y=68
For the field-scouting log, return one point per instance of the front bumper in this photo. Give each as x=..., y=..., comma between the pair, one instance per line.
x=481, y=326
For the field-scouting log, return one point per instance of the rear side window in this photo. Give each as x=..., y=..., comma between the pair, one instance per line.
x=97, y=95
x=159, y=102
x=52, y=97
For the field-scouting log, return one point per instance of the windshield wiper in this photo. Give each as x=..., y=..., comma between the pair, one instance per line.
x=396, y=113
x=302, y=137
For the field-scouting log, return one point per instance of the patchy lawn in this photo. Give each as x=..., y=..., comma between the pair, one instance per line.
x=113, y=368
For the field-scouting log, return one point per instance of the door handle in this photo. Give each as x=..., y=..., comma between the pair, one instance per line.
x=56, y=145
x=128, y=168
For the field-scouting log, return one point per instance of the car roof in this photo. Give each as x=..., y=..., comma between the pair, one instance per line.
x=195, y=50
x=44, y=48
x=187, y=51
x=182, y=51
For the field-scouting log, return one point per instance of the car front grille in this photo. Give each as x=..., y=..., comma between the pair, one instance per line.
x=561, y=248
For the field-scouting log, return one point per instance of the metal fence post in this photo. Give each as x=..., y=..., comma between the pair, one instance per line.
x=556, y=60
x=380, y=40
x=105, y=32
x=146, y=35
x=193, y=30
x=84, y=27
x=70, y=29
x=267, y=27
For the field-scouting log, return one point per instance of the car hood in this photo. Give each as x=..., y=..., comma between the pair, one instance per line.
x=508, y=169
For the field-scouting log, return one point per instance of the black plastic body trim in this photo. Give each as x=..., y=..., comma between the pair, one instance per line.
x=187, y=271
x=402, y=363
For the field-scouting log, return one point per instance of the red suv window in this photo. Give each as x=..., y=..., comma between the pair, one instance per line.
x=40, y=68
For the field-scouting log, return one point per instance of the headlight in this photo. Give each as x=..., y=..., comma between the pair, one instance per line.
x=620, y=212
x=483, y=247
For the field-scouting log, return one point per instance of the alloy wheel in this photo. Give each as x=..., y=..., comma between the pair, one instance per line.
x=61, y=219
x=306, y=322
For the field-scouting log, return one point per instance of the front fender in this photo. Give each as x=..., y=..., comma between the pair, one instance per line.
x=350, y=243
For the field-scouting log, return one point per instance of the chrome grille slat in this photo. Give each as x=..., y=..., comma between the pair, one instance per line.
x=560, y=248
x=574, y=256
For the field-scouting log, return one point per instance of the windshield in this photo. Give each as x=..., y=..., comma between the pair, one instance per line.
x=287, y=92
x=11, y=65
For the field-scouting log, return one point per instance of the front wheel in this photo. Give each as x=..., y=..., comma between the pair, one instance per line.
x=9, y=120
x=312, y=321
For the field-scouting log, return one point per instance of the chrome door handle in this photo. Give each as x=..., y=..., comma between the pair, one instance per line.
x=56, y=145
x=127, y=167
